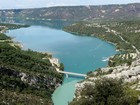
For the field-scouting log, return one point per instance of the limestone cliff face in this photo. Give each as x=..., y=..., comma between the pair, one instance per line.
x=32, y=87
x=49, y=82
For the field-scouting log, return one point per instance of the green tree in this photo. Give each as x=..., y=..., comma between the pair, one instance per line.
x=104, y=92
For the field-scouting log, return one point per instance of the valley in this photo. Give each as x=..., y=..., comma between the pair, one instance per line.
x=101, y=42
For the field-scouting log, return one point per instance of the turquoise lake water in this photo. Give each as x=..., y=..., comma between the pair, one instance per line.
x=78, y=54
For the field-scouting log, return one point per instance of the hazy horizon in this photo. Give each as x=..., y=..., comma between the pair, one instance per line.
x=18, y=4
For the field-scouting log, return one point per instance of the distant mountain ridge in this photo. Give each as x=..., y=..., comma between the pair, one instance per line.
x=105, y=12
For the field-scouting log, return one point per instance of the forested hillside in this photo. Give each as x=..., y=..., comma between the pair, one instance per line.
x=124, y=34
x=103, y=12
x=26, y=77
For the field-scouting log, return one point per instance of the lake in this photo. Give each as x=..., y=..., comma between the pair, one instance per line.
x=79, y=54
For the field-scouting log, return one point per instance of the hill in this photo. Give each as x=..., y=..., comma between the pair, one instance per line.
x=124, y=34
x=104, y=12
x=26, y=77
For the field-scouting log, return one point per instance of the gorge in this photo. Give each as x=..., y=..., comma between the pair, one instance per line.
x=81, y=50
x=69, y=49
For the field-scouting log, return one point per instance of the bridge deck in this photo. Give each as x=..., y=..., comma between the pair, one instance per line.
x=71, y=73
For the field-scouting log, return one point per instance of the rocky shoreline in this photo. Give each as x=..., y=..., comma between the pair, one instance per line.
x=127, y=73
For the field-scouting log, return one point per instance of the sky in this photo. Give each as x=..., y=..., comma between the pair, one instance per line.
x=15, y=4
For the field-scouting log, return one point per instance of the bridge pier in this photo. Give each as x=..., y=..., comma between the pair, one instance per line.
x=67, y=76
